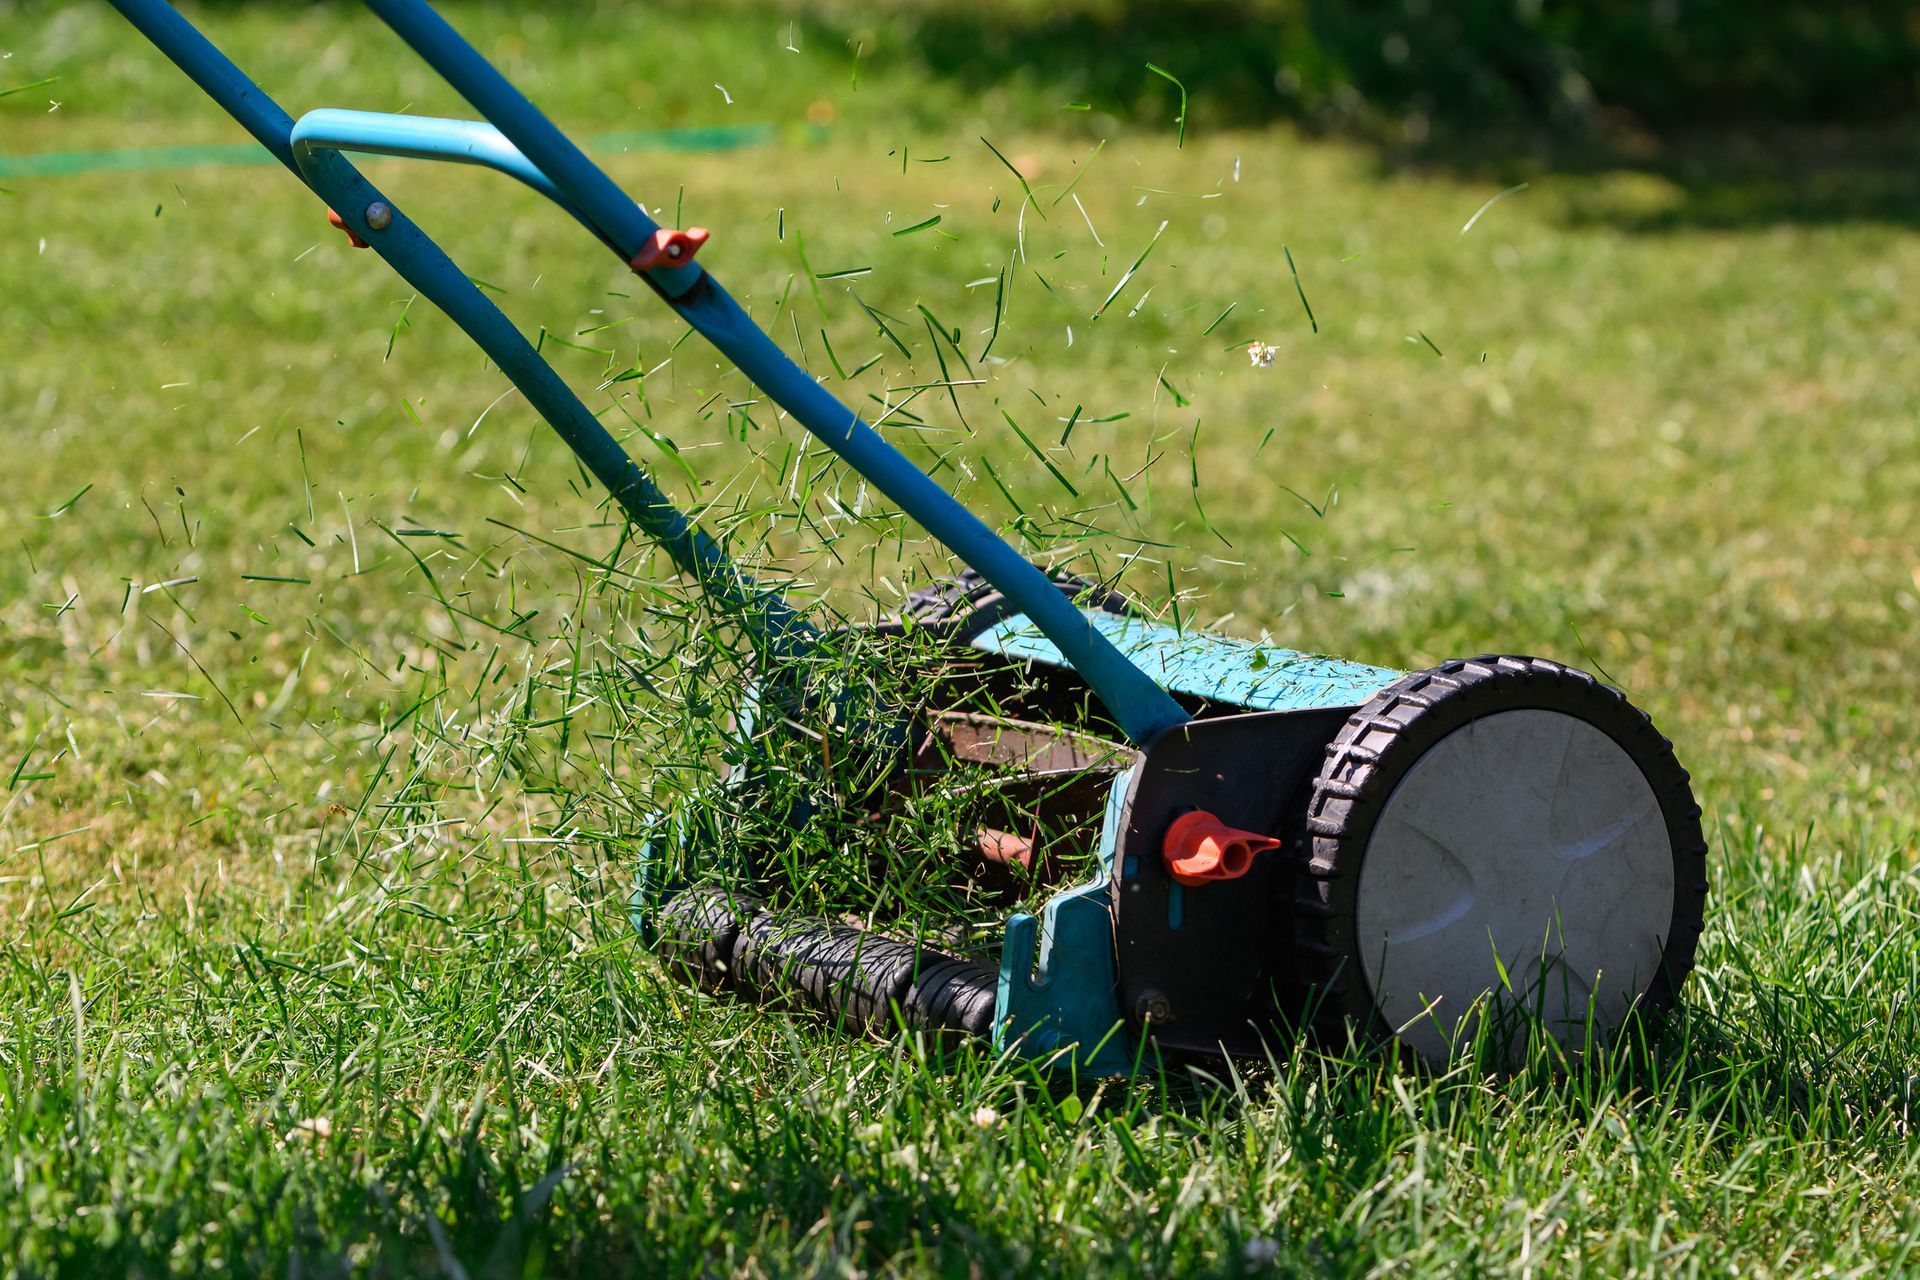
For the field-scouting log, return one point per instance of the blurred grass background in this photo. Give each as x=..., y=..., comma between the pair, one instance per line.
x=281, y=842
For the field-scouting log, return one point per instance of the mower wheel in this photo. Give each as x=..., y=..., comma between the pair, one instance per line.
x=1503, y=834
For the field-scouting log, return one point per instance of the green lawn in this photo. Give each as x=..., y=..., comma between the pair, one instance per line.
x=321, y=798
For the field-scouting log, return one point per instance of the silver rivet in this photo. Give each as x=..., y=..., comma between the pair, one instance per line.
x=1153, y=1006
x=379, y=215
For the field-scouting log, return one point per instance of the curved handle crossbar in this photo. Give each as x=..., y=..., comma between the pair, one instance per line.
x=537, y=153
x=421, y=138
x=770, y=619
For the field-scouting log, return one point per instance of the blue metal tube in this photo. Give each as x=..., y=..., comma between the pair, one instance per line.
x=418, y=260
x=1142, y=708
x=410, y=252
x=207, y=67
x=621, y=221
x=423, y=138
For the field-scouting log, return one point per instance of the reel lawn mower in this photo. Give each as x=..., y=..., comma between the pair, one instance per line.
x=1281, y=837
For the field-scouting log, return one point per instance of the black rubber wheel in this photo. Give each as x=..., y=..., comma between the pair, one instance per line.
x=953, y=996
x=1456, y=841
x=855, y=977
x=715, y=939
x=696, y=933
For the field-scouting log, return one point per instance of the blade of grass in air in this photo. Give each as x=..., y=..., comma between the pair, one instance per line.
x=1510, y=191
x=882, y=324
x=67, y=506
x=813, y=277
x=22, y=88
x=1193, y=479
x=19, y=770
x=231, y=709
x=1039, y=453
x=1002, y=486
x=947, y=333
x=934, y=335
x=404, y=323
x=1095, y=155
x=1181, y=119
x=1088, y=219
x=425, y=572
x=1592, y=660
x=832, y=359
x=1019, y=177
x=1118, y=486
x=1300, y=288
x=1130, y=270
x=999, y=310
x=934, y=221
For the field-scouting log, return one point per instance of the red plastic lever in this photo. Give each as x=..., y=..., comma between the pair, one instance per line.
x=1200, y=849
x=341, y=223
x=669, y=248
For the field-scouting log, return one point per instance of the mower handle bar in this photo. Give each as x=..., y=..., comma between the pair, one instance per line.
x=525, y=144
x=421, y=138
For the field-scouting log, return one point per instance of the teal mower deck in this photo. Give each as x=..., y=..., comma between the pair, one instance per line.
x=1281, y=840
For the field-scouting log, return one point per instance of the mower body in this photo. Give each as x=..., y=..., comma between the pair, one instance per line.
x=1131, y=952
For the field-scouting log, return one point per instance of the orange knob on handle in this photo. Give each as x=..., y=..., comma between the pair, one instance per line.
x=353, y=237
x=1200, y=849
x=669, y=248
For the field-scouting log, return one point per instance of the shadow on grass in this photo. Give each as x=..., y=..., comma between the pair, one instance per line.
x=1721, y=179
x=1475, y=88
x=1478, y=96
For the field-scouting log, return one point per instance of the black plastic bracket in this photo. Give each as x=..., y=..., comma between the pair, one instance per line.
x=1200, y=967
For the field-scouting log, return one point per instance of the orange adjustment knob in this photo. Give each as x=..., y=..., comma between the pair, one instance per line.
x=341, y=223
x=1200, y=848
x=669, y=248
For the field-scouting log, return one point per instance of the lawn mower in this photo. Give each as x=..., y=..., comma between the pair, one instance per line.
x=1282, y=840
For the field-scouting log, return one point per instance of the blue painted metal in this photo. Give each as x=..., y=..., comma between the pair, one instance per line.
x=1059, y=991
x=1200, y=664
x=622, y=222
x=423, y=265
x=423, y=138
x=1141, y=707
x=207, y=67
x=411, y=253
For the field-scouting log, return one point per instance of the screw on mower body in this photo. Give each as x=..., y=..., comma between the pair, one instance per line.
x=1446, y=818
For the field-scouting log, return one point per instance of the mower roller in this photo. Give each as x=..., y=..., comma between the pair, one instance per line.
x=1283, y=839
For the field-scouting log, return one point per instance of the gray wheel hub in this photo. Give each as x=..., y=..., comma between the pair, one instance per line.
x=1522, y=860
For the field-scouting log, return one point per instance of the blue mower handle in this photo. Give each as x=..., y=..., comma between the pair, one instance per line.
x=420, y=138
x=522, y=142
